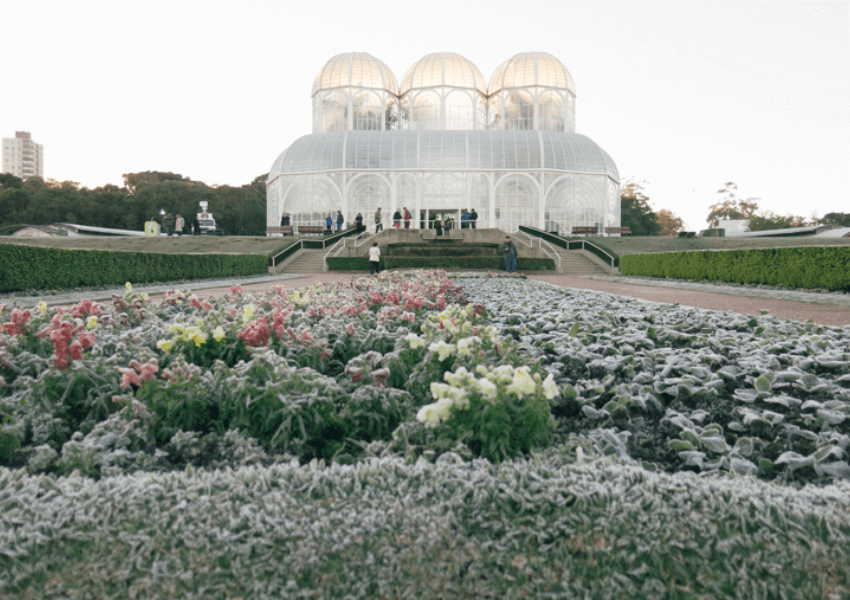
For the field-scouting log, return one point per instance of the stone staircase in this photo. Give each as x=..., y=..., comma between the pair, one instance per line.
x=303, y=261
x=577, y=263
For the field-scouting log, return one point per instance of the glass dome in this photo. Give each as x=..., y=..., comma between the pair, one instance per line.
x=531, y=69
x=443, y=69
x=355, y=69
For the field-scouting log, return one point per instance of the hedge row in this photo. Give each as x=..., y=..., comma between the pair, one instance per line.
x=361, y=263
x=37, y=268
x=807, y=268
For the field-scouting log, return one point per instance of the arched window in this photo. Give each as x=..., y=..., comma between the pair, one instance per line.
x=310, y=199
x=519, y=110
x=550, y=115
x=426, y=111
x=335, y=112
x=367, y=112
x=459, y=111
x=366, y=194
x=516, y=203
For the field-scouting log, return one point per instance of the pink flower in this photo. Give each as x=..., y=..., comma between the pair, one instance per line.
x=380, y=376
x=129, y=378
x=15, y=326
x=350, y=329
x=236, y=289
x=194, y=302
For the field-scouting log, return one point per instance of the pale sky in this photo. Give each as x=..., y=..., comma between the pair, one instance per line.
x=684, y=95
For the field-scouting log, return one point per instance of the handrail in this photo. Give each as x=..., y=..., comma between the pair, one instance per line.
x=302, y=243
x=611, y=259
x=550, y=250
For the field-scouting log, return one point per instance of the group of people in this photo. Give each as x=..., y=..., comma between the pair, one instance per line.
x=444, y=223
x=399, y=216
x=329, y=222
x=176, y=225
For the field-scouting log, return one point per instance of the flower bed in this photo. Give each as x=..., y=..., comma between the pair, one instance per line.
x=402, y=435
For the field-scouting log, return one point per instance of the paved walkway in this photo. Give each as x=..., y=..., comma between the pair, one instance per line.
x=823, y=308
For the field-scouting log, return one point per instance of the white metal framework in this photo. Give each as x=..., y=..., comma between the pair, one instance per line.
x=445, y=141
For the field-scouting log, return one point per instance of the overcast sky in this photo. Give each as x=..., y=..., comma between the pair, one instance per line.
x=683, y=95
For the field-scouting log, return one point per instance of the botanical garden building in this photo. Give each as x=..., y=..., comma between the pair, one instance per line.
x=443, y=141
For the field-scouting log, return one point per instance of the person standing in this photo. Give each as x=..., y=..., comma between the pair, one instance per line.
x=473, y=217
x=438, y=224
x=329, y=223
x=448, y=223
x=358, y=223
x=397, y=219
x=339, y=220
x=464, y=219
x=168, y=223
x=509, y=250
x=374, y=259
x=378, y=225
x=179, y=223
x=407, y=217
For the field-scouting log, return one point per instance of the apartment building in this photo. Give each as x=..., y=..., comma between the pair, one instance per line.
x=22, y=157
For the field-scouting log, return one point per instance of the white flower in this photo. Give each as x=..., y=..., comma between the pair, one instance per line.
x=522, y=384
x=432, y=414
x=459, y=378
x=439, y=390
x=443, y=349
x=488, y=389
x=550, y=388
x=414, y=340
x=464, y=346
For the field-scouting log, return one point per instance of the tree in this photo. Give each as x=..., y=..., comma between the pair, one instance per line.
x=729, y=207
x=836, y=218
x=635, y=212
x=670, y=224
x=770, y=220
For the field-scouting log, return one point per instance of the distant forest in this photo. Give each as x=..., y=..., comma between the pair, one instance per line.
x=237, y=210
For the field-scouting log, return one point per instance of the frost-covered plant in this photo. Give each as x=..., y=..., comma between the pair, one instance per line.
x=500, y=414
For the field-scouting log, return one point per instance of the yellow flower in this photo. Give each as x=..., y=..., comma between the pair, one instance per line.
x=91, y=322
x=165, y=345
x=248, y=313
x=42, y=306
x=143, y=296
x=218, y=334
x=129, y=286
x=197, y=336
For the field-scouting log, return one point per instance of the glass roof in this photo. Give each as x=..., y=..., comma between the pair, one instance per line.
x=358, y=69
x=443, y=69
x=530, y=69
x=444, y=151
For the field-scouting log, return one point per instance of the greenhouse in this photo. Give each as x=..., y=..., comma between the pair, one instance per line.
x=443, y=142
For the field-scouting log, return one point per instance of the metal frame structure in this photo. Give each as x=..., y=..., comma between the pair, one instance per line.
x=443, y=142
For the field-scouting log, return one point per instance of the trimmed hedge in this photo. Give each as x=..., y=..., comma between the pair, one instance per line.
x=38, y=268
x=361, y=263
x=811, y=267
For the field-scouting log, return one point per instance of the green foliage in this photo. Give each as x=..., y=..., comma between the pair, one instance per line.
x=38, y=268
x=635, y=211
x=238, y=210
x=807, y=268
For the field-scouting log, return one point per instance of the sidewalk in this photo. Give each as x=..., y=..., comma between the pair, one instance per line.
x=823, y=308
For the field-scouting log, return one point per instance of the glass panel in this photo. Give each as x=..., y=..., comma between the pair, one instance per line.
x=426, y=111
x=334, y=112
x=519, y=110
x=551, y=112
x=459, y=111
x=516, y=203
x=311, y=199
x=367, y=112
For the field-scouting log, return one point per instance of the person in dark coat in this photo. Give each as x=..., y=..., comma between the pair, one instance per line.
x=397, y=219
x=509, y=250
x=329, y=223
x=339, y=220
x=358, y=223
x=438, y=224
x=407, y=217
x=464, y=219
x=473, y=217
